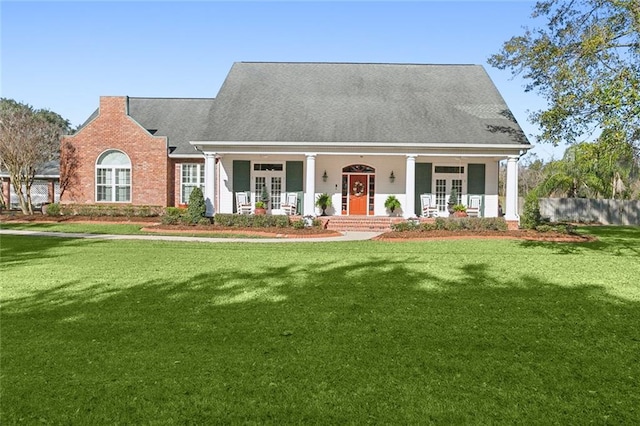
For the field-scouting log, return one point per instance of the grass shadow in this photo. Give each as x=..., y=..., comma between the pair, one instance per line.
x=18, y=250
x=377, y=340
x=613, y=240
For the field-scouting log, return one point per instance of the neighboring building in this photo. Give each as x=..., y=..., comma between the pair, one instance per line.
x=45, y=188
x=358, y=132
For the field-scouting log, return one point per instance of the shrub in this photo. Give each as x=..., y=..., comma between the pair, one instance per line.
x=440, y=223
x=428, y=226
x=95, y=210
x=455, y=224
x=204, y=221
x=252, y=221
x=172, y=215
x=169, y=220
x=562, y=228
x=493, y=223
x=53, y=209
x=531, y=211
x=197, y=208
x=409, y=225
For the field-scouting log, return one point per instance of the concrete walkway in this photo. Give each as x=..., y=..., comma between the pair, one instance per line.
x=346, y=236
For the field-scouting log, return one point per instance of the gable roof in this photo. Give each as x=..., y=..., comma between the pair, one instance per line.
x=351, y=102
x=179, y=119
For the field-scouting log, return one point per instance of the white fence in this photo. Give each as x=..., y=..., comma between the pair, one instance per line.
x=606, y=212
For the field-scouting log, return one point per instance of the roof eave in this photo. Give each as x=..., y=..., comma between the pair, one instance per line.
x=359, y=148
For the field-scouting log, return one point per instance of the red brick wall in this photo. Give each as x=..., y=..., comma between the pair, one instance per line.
x=114, y=129
x=176, y=175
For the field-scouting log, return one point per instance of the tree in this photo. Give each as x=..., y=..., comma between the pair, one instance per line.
x=28, y=139
x=585, y=62
x=603, y=169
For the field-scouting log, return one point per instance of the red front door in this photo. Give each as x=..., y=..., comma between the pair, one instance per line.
x=358, y=194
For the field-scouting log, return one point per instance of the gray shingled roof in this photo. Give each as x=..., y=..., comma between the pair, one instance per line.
x=181, y=120
x=46, y=170
x=346, y=102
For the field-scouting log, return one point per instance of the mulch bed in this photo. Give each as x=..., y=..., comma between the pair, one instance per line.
x=260, y=232
x=153, y=225
x=522, y=234
x=83, y=219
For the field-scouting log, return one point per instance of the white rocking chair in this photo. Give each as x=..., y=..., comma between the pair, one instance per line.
x=429, y=208
x=243, y=204
x=475, y=201
x=291, y=205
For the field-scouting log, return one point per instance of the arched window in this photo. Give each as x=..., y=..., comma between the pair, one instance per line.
x=113, y=177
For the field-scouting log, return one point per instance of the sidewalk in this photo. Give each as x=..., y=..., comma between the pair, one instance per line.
x=346, y=236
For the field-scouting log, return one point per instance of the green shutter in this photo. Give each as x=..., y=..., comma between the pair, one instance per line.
x=294, y=176
x=476, y=177
x=241, y=178
x=423, y=183
x=294, y=180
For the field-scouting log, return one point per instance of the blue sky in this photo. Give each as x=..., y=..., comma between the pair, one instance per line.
x=64, y=55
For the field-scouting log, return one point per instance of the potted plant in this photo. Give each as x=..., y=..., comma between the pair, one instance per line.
x=260, y=208
x=324, y=202
x=392, y=203
x=459, y=210
x=453, y=200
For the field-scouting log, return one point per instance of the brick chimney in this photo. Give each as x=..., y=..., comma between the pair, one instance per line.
x=114, y=105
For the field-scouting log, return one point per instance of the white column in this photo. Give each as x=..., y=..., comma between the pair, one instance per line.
x=511, y=208
x=410, y=188
x=310, y=186
x=209, y=182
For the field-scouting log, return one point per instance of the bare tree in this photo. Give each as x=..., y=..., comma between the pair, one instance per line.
x=69, y=164
x=28, y=139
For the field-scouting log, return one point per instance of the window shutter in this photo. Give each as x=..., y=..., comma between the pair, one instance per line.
x=294, y=180
x=475, y=179
x=241, y=179
x=294, y=176
x=423, y=183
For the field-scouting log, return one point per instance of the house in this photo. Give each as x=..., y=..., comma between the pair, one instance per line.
x=358, y=132
x=45, y=188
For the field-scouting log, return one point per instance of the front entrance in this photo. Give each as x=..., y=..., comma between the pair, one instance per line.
x=358, y=194
x=358, y=190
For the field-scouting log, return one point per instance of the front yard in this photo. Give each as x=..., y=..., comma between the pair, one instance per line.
x=461, y=331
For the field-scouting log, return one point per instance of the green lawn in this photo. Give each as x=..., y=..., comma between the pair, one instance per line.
x=112, y=228
x=462, y=332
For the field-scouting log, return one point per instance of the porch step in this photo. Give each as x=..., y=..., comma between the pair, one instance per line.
x=360, y=223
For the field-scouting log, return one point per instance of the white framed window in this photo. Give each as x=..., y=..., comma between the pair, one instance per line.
x=191, y=176
x=113, y=177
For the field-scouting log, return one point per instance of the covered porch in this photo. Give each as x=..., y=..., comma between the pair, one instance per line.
x=357, y=183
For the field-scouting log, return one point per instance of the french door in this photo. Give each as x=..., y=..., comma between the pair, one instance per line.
x=443, y=188
x=274, y=182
